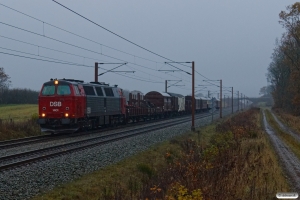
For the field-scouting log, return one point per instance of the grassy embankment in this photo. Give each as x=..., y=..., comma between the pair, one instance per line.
x=289, y=120
x=17, y=121
x=286, y=137
x=233, y=160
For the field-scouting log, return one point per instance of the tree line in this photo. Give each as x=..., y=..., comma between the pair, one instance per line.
x=17, y=95
x=284, y=70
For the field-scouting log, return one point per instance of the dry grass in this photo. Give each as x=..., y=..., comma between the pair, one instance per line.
x=19, y=129
x=124, y=176
x=286, y=137
x=18, y=121
x=289, y=120
x=233, y=161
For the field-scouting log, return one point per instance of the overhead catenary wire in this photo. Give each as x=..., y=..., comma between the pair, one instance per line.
x=65, y=61
x=47, y=48
x=70, y=32
x=110, y=31
x=85, y=57
x=78, y=36
x=97, y=42
x=76, y=46
x=115, y=33
x=70, y=63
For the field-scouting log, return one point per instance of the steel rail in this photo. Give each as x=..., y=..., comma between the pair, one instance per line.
x=62, y=148
x=45, y=138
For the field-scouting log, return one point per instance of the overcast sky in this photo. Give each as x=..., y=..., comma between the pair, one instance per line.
x=230, y=40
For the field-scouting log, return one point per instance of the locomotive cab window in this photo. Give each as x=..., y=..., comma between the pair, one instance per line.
x=99, y=91
x=63, y=90
x=109, y=92
x=89, y=90
x=76, y=90
x=48, y=90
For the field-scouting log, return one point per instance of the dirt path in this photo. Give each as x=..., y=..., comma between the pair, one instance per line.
x=285, y=128
x=288, y=159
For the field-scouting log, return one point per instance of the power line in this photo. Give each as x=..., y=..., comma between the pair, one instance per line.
x=114, y=33
x=109, y=30
x=62, y=52
x=43, y=47
x=93, y=40
x=69, y=63
x=79, y=55
x=213, y=84
x=77, y=34
x=72, y=45
x=58, y=62
x=201, y=75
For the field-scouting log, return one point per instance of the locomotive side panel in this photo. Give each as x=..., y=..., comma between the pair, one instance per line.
x=95, y=105
x=113, y=101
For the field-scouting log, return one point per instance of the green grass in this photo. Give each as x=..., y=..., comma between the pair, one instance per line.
x=18, y=112
x=286, y=137
x=261, y=104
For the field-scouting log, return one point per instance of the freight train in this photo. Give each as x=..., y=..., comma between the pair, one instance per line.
x=67, y=105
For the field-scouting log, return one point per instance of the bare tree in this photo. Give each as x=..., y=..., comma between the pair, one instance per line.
x=4, y=79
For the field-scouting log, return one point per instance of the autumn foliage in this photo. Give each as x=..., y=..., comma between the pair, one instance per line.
x=284, y=69
x=216, y=170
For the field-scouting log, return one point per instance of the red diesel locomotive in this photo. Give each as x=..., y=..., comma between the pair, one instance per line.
x=67, y=105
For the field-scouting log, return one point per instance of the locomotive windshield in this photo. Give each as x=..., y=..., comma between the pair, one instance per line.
x=48, y=90
x=60, y=90
x=63, y=90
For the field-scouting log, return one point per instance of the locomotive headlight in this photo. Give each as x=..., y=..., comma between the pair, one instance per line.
x=66, y=115
x=56, y=82
x=43, y=114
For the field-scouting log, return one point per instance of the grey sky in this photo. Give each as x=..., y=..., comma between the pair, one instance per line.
x=230, y=40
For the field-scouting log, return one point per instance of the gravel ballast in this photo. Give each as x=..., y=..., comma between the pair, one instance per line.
x=28, y=181
x=83, y=136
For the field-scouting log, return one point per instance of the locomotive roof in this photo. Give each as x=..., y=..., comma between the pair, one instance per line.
x=74, y=81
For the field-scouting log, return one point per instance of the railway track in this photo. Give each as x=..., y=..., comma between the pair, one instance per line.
x=46, y=138
x=17, y=160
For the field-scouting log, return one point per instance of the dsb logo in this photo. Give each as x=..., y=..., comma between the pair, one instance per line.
x=55, y=103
